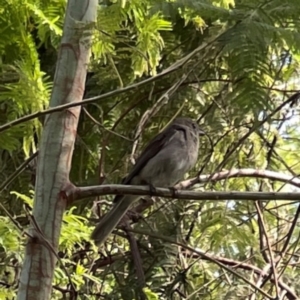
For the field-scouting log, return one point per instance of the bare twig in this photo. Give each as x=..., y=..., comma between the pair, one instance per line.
x=103, y=127
x=157, y=106
x=177, y=65
x=204, y=256
x=119, y=189
x=264, y=232
x=136, y=257
x=239, y=173
x=18, y=171
x=232, y=149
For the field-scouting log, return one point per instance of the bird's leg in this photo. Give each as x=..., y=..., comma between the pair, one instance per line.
x=152, y=189
x=174, y=191
x=134, y=216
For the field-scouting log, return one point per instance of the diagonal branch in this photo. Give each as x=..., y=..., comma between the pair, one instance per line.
x=204, y=256
x=264, y=232
x=177, y=65
x=239, y=173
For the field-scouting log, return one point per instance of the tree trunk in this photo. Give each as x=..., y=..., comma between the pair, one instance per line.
x=56, y=150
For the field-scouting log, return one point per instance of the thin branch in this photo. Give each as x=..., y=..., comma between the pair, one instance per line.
x=137, y=260
x=114, y=189
x=239, y=173
x=232, y=149
x=290, y=233
x=286, y=243
x=156, y=107
x=119, y=189
x=204, y=256
x=235, y=264
x=177, y=65
x=260, y=216
x=103, y=127
x=18, y=171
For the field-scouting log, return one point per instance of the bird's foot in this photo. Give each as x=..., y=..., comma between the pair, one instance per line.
x=133, y=215
x=173, y=191
x=152, y=190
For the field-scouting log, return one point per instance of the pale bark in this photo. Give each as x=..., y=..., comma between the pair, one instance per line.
x=119, y=189
x=179, y=193
x=56, y=150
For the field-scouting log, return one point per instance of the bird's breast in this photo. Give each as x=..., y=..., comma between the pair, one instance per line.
x=167, y=167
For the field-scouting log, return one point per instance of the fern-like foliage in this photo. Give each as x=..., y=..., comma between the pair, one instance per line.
x=243, y=70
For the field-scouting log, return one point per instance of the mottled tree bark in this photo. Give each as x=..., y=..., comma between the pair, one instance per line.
x=56, y=150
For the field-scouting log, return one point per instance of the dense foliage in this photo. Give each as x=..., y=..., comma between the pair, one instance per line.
x=235, y=69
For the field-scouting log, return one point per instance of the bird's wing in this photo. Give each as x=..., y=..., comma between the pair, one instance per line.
x=153, y=148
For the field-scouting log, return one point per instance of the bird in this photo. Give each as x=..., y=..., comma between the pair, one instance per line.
x=163, y=163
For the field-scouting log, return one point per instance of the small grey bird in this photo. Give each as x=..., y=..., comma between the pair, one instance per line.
x=163, y=163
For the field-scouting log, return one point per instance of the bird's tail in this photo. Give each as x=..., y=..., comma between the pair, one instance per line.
x=110, y=221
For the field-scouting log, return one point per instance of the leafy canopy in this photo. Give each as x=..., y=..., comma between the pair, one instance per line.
x=239, y=86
